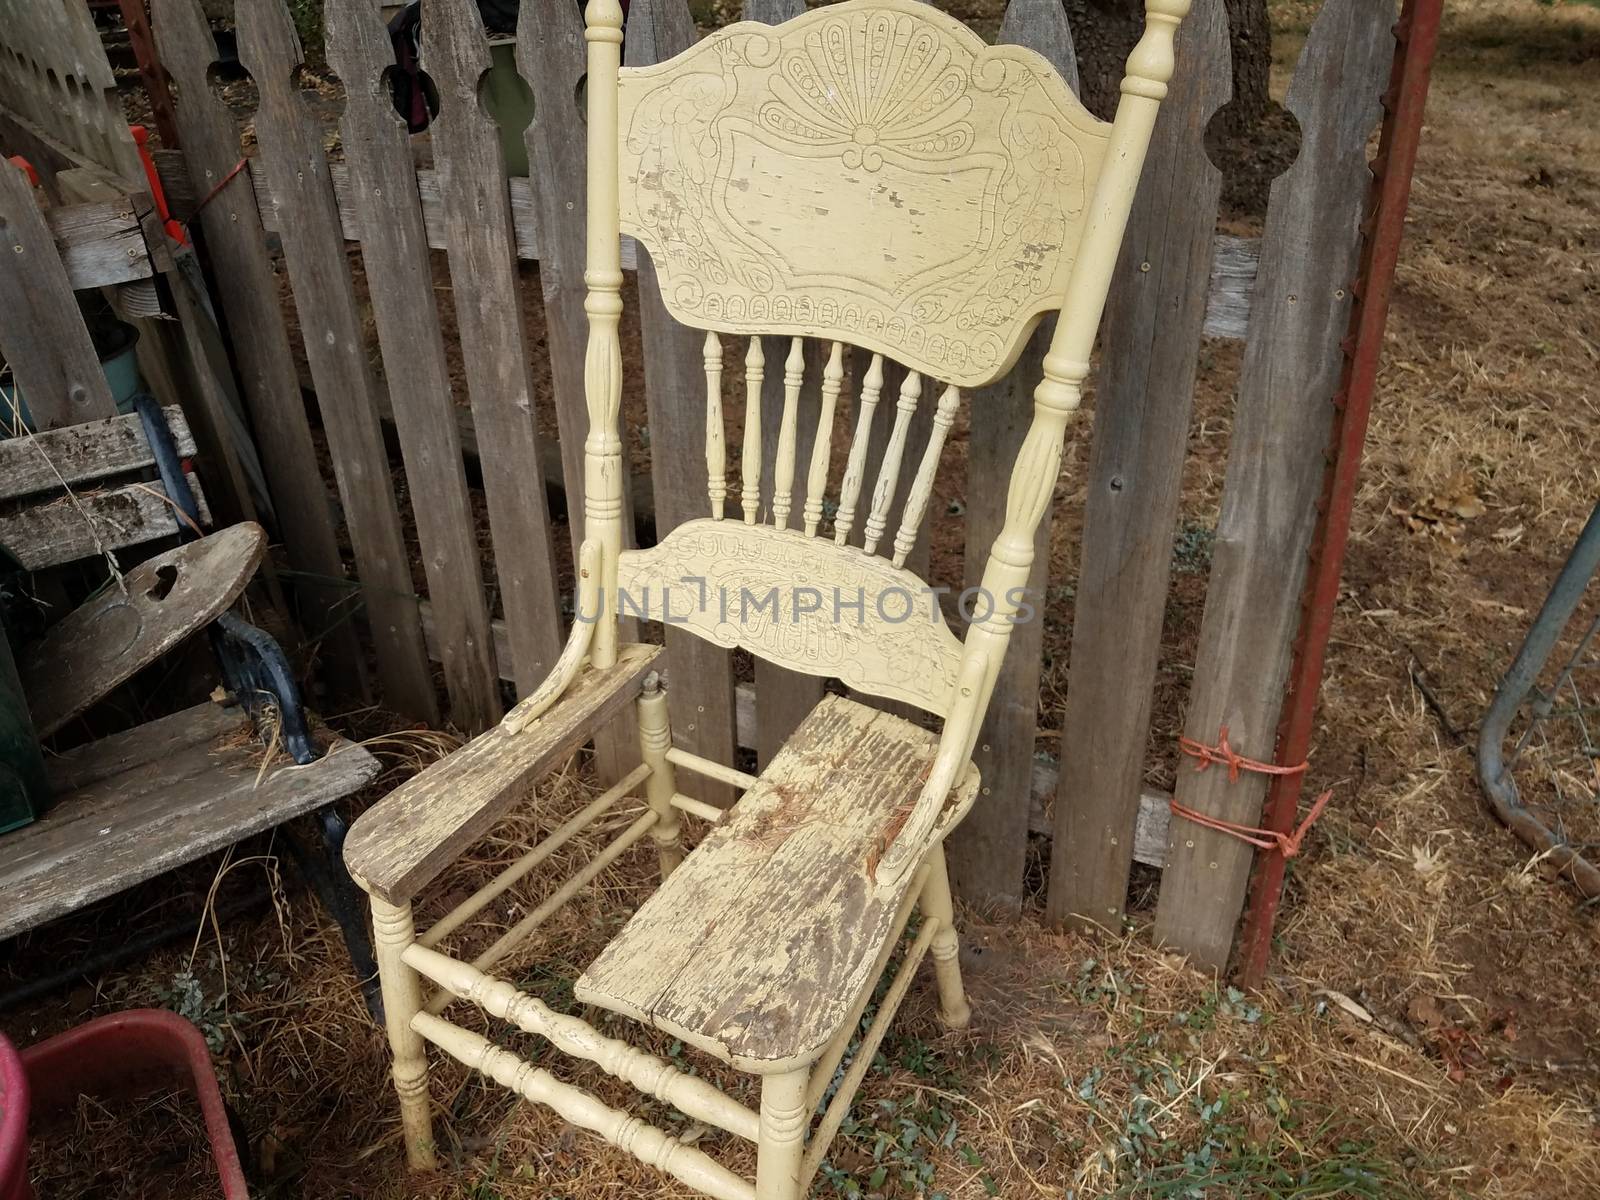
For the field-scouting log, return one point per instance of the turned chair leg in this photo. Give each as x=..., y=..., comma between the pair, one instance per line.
x=655, y=738
x=946, y=945
x=782, y=1139
x=402, y=1000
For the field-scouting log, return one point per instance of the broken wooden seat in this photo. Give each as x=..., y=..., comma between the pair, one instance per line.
x=788, y=871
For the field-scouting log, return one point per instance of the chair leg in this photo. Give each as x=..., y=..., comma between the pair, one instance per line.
x=655, y=738
x=782, y=1140
x=946, y=945
x=402, y=1000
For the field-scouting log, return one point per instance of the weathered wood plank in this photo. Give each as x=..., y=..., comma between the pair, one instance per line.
x=75, y=454
x=1234, y=261
x=700, y=675
x=551, y=57
x=527, y=230
x=335, y=348
x=100, y=243
x=987, y=854
x=126, y=828
x=1145, y=390
x=785, y=872
x=74, y=527
x=53, y=363
x=153, y=742
x=101, y=643
x=482, y=251
x=400, y=844
x=1287, y=382
x=247, y=290
x=395, y=254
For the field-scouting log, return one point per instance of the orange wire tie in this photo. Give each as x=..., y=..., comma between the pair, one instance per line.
x=1223, y=754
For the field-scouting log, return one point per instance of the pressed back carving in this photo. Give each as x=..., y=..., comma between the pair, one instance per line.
x=870, y=172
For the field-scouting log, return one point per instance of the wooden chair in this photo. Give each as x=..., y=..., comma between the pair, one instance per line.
x=871, y=174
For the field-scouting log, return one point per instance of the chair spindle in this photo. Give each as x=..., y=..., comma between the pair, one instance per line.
x=822, y=448
x=856, y=468
x=750, y=463
x=794, y=373
x=889, y=471
x=716, y=437
x=944, y=416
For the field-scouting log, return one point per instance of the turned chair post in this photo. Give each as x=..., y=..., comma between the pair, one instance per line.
x=393, y=931
x=785, y=1117
x=945, y=948
x=655, y=739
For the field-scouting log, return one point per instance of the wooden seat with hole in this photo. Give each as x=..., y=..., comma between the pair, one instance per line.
x=870, y=175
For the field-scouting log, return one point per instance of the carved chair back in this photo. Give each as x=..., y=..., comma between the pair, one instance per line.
x=872, y=175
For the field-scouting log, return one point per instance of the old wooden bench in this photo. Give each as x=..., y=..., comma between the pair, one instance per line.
x=137, y=803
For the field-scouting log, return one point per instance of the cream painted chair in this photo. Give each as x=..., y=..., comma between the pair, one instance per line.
x=869, y=174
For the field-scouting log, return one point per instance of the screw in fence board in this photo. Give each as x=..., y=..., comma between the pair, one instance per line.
x=54, y=367
x=1144, y=393
x=248, y=292
x=784, y=698
x=988, y=855
x=1404, y=103
x=700, y=675
x=551, y=57
x=1288, y=379
x=494, y=349
x=394, y=251
x=314, y=250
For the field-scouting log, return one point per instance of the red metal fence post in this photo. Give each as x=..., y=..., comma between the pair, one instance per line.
x=1417, y=35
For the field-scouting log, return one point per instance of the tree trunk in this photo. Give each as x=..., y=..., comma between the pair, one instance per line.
x=1105, y=30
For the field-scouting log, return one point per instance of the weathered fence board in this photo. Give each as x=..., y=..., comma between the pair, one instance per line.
x=482, y=251
x=550, y=55
x=988, y=855
x=400, y=281
x=53, y=363
x=231, y=225
x=700, y=675
x=1149, y=349
x=1281, y=426
x=331, y=327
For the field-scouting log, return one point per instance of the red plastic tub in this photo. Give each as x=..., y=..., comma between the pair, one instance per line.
x=122, y=1055
x=13, y=1125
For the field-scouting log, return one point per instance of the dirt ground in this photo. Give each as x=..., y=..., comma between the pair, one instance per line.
x=1429, y=1028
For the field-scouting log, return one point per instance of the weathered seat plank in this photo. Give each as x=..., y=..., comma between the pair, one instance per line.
x=196, y=791
x=757, y=946
x=397, y=846
x=99, y=645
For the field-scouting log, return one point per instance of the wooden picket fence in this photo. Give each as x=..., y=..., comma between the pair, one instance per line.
x=1288, y=296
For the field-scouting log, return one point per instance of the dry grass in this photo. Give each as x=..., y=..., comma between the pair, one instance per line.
x=1430, y=1027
